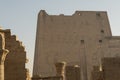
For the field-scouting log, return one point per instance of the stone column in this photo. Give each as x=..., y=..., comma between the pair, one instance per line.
x=60, y=69
x=3, y=53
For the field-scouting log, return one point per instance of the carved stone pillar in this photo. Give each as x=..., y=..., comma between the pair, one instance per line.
x=3, y=53
x=60, y=69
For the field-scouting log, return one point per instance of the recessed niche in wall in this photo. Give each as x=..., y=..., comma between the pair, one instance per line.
x=82, y=41
x=102, y=31
x=100, y=41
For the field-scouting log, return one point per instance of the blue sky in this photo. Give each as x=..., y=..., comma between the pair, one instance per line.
x=21, y=16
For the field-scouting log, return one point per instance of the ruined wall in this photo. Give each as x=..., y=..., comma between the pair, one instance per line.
x=97, y=74
x=111, y=68
x=73, y=73
x=77, y=39
x=15, y=60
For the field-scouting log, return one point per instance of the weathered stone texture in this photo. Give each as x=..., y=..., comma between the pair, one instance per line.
x=13, y=68
x=81, y=39
x=111, y=68
x=15, y=60
x=48, y=78
x=28, y=77
x=3, y=53
x=97, y=74
x=73, y=73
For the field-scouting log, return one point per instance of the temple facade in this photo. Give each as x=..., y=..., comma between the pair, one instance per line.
x=81, y=39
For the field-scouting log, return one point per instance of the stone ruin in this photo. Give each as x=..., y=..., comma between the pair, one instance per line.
x=83, y=38
x=12, y=65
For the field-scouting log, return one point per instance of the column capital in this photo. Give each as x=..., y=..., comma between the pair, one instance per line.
x=3, y=53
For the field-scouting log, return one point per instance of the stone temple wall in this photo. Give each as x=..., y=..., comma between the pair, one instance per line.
x=14, y=65
x=111, y=68
x=80, y=39
x=16, y=58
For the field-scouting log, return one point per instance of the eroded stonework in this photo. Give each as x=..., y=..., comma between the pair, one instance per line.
x=80, y=39
x=14, y=65
x=3, y=53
